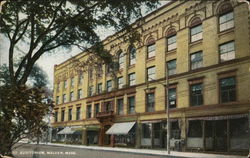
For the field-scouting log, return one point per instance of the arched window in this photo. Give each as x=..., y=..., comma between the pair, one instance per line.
x=150, y=48
x=171, y=39
x=196, y=29
x=226, y=17
x=121, y=59
x=132, y=55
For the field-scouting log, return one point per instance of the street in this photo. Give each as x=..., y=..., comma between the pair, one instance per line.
x=45, y=151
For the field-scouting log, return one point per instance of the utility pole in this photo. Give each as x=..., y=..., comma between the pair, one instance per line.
x=167, y=111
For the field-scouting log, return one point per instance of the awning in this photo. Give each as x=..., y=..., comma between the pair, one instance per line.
x=70, y=130
x=121, y=128
x=93, y=128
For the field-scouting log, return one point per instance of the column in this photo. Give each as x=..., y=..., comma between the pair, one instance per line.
x=84, y=137
x=138, y=135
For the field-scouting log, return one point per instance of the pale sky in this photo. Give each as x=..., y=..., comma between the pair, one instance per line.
x=47, y=61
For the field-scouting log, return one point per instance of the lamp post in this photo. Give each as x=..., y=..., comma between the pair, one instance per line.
x=167, y=111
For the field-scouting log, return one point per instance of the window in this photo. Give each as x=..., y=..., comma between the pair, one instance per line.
x=109, y=68
x=227, y=51
x=227, y=90
x=70, y=115
x=79, y=94
x=226, y=21
x=131, y=105
x=150, y=102
x=89, y=111
x=146, y=130
x=132, y=56
x=108, y=106
x=80, y=80
x=64, y=98
x=131, y=79
x=90, y=73
x=109, y=85
x=120, y=82
x=195, y=129
x=99, y=88
x=91, y=90
x=71, y=97
x=121, y=59
x=96, y=109
x=196, y=96
x=120, y=106
x=151, y=51
x=196, y=33
x=196, y=60
x=78, y=113
x=171, y=42
x=58, y=87
x=62, y=115
x=172, y=98
x=65, y=84
x=72, y=82
x=171, y=67
x=57, y=99
x=56, y=116
x=151, y=73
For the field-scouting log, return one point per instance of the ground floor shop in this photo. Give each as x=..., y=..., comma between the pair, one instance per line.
x=227, y=133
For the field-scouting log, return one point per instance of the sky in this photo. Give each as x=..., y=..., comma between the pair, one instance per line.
x=47, y=61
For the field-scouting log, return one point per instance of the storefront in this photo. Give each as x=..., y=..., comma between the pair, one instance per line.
x=70, y=135
x=218, y=133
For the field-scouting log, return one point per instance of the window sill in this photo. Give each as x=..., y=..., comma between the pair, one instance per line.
x=231, y=30
x=172, y=51
x=131, y=66
x=150, y=59
x=191, y=44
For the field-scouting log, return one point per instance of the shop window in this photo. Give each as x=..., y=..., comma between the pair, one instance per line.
x=195, y=129
x=146, y=130
x=227, y=89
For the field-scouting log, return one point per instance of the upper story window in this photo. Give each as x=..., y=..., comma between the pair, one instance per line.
x=78, y=113
x=58, y=87
x=172, y=98
x=196, y=30
x=132, y=55
x=227, y=89
x=196, y=60
x=71, y=96
x=120, y=82
x=80, y=79
x=150, y=106
x=65, y=84
x=171, y=67
x=99, y=88
x=57, y=100
x=79, y=94
x=99, y=70
x=227, y=51
x=120, y=106
x=109, y=85
x=131, y=79
x=131, y=105
x=121, y=60
x=70, y=114
x=89, y=111
x=91, y=90
x=90, y=73
x=171, y=40
x=196, y=94
x=64, y=98
x=56, y=116
x=108, y=106
x=72, y=82
x=96, y=109
x=151, y=73
x=62, y=115
x=226, y=17
x=151, y=50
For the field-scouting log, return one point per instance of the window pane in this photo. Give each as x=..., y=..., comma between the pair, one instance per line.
x=196, y=60
x=228, y=90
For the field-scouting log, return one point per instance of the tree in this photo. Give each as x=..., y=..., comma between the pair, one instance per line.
x=47, y=25
x=44, y=27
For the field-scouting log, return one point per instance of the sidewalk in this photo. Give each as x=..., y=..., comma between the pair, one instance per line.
x=149, y=152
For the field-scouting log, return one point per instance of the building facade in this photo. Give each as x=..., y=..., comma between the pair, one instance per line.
x=200, y=48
